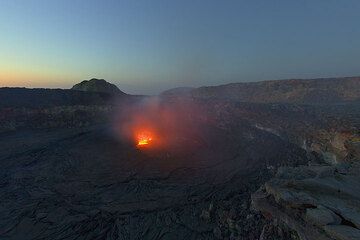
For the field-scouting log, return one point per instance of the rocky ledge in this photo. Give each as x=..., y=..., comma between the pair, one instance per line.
x=318, y=202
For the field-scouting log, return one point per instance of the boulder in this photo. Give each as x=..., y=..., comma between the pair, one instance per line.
x=322, y=216
x=342, y=232
x=318, y=202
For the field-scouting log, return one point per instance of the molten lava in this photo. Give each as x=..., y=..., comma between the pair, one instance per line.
x=144, y=139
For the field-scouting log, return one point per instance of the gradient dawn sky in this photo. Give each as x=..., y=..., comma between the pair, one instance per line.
x=146, y=46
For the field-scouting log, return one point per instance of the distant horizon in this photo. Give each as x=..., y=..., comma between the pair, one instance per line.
x=148, y=47
x=139, y=93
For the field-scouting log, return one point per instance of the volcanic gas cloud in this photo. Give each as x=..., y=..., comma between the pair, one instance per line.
x=156, y=123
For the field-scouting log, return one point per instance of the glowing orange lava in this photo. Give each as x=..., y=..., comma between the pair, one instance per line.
x=144, y=139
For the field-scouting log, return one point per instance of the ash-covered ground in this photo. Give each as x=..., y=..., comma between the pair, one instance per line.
x=86, y=183
x=67, y=172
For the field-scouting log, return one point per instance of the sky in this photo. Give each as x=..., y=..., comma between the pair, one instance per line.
x=147, y=46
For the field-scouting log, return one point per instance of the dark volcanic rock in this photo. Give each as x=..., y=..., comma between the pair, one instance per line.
x=89, y=183
x=86, y=184
x=97, y=85
x=318, y=202
x=38, y=98
x=53, y=117
x=310, y=91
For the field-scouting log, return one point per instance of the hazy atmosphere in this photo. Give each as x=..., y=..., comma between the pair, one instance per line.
x=149, y=46
x=179, y=119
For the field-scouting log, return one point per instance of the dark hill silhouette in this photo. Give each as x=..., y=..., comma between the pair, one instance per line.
x=92, y=92
x=97, y=85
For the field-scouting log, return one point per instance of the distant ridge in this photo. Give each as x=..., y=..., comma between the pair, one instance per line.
x=97, y=85
x=40, y=97
x=100, y=92
x=180, y=91
x=306, y=91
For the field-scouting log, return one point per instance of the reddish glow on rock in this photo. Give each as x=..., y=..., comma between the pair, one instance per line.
x=152, y=124
x=144, y=138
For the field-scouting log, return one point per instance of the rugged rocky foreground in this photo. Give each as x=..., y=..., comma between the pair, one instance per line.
x=85, y=184
x=317, y=202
